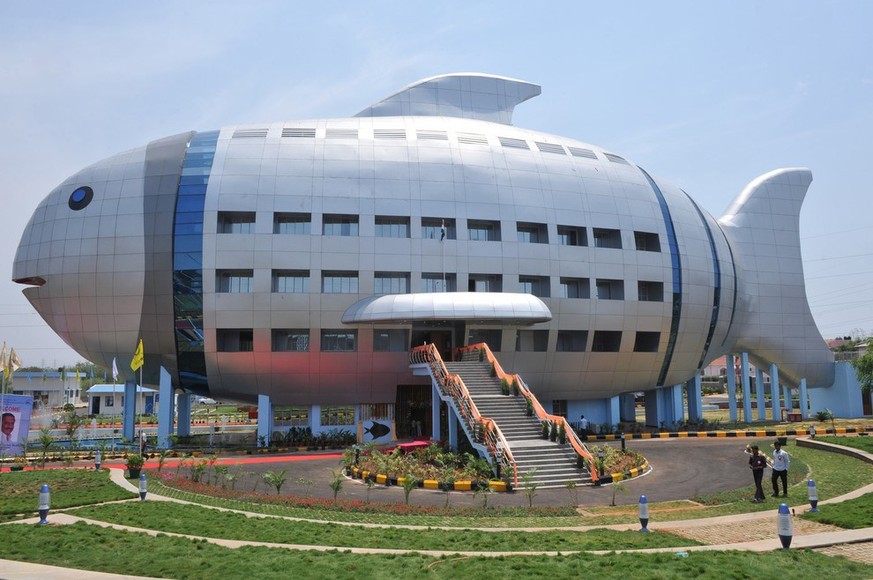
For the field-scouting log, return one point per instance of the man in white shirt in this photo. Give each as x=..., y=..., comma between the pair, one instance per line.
x=780, y=470
x=8, y=426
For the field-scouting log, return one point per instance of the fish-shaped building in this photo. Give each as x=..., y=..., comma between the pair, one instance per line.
x=302, y=260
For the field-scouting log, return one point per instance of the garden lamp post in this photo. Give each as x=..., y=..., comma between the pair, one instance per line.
x=44, y=503
x=143, y=487
x=784, y=526
x=98, y=458
x=812, y=493
x=644, y=513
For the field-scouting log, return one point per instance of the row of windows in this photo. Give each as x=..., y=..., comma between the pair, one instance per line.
x=397, y=340
x=346, y=282
x=434, y=228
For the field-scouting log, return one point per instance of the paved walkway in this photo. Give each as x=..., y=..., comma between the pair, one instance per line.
x=750, y=531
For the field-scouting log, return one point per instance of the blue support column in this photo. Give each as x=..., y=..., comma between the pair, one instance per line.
x=183, y=415
x=167, y=410
x=786, y=394
x=653, y=414
x=747, y=387
x=774, y=392
x=128, y=429
x=675, y=405
x=453, y=430
x=613, y=407
x=695, y=399
x=731, y=387
x=628, y=408
x=804, y=402
x=435, y=414
x=759, y=391
x=265, y=419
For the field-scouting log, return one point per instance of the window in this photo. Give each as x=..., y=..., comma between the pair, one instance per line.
x=234, y=281
x=483, y=230
x=436, y=282
x=110, y=401
x=572, y=236
x=575, y=288
x=485, y=283
x=339, y=340
x=291, y=416
x=531, y=340
x=536, y=285
x=493, y=337
x=605, y=238
x=291, y=281
x=392, y=227
x=606, y=341
x=292, y=223
x=433, y=229
x=339, y=282
x=571, y=340
x=290, y=340
x=334, y=416
x=391, y=283
x=647, y=341
x=532, y=233
x=559, y=407
x=236, y=222
x=610, y=289
x=650, y=291
x=234, y=340
x=647, y=242
x=340, y=225
x=390, y=340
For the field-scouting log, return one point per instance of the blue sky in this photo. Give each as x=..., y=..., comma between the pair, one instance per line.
x=707, y=95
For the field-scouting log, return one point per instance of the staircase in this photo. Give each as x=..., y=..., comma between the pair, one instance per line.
x=552, y=464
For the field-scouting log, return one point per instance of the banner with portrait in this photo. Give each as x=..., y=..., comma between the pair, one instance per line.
x=15, y=423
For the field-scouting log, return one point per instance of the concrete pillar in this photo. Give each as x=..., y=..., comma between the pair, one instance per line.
x=435, y=413
x=183, y=415
x=613, y=407
x=653, y=417
x=695, y=399
x=731, y=387
x=628, y=408
x=167, y=410
x=265, y=419
x=786, y=394
x=804, y=402
x=774, y=392
x=759, y=392
x=128, y=430
x=747, y=388
x=453, y=430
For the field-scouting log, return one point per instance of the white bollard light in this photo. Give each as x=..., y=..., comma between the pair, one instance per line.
x=785, y=526
x=98, y=459
x=142, y=487
x=44, y=503
x=644, y=513
x=812, y=493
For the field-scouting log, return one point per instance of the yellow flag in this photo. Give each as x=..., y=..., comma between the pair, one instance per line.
x=137, y=361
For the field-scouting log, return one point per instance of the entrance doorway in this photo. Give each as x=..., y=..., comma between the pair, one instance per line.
x=445, y=335
x=413, y=411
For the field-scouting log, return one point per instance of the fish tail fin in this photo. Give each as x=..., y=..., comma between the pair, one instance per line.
x=776, y=324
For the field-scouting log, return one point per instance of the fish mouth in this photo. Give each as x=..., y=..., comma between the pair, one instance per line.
x=30, y=281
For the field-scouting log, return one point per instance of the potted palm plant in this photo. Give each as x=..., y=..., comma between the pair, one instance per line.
x=134, y=465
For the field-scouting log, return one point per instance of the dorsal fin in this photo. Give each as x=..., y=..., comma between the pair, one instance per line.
x=466, y=95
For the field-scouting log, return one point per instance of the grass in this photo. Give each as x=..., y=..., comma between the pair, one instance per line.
x=862, y=443
x=19, y=490
x=853, y=514
x=198, y=521
x=90, y=547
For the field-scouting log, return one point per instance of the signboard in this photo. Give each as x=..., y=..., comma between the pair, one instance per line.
x=16, y=411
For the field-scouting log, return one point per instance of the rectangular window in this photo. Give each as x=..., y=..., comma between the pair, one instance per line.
x=536, y=285
x=236, y=222
x=531, y=340
x=647, y=341
x=606, y=238
x=575, y=288
x=110, y=401
x=234, y=281
x=340, y=225
x=337, y=416
x=559, y=407
x=291, y=416
x=391, y=283
x=485, y=283
x=647, y=242
x=571, y=340
x=493, y=337
x=290, y=340
x=483, y=230
x=339, y=282
x=390, y=340
x=436, y=282
x=234, y=340
x=438, y=229
x=650, y=291
x=292, y=223
x=340, y=340
x=606, y=341
x=291, y=281
x=572, y=236
x=392, y=226
x=532, y=233
x=610, y=289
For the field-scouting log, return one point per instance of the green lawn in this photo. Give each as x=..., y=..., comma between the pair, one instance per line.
x=862, y=443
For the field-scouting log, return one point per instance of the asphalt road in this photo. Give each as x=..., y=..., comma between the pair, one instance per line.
x=681, y=468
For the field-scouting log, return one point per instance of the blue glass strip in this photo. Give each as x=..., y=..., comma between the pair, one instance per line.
x=716, y=283
x=677, y=277
x=188, y=261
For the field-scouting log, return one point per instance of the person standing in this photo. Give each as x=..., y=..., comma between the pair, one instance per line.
x=780, y=470
x=583, y=428
x=757, y=463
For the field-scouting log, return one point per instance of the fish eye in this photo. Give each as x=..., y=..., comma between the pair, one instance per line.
x=80, y=198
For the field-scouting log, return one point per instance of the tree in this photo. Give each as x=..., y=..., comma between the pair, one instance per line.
x=276, y=479
x=864, y=368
